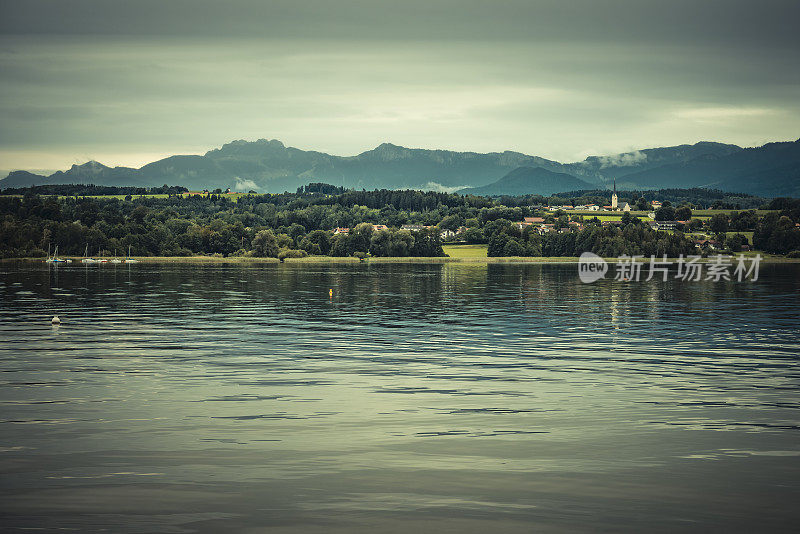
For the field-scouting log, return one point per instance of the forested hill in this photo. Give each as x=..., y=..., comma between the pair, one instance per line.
x=350, y=223
x=529, y=181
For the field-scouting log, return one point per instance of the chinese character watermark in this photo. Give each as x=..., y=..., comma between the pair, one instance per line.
x=592, y=267
x=628, y=268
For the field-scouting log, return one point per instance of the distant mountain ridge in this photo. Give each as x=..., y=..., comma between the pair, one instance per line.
x=270, y=166
x=770, y=170
x=529, y=181
x=618, y=165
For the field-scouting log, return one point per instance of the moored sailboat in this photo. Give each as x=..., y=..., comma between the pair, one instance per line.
x=86, y=258
x=129, y=259
x=55, y=258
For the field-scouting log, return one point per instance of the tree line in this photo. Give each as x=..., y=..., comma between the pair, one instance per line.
x=631, y=237
x=287, y=225
x=88, y=190
x=304, y=223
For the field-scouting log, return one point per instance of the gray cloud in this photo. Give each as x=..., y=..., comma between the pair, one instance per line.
x=628, y=158
x=243, y=186
x=128, y=80
x=766, y=22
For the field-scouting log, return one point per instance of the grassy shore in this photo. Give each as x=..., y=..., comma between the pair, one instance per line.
x=766, y=258
x=312, y=260
x=455, y=254
x=230, y=196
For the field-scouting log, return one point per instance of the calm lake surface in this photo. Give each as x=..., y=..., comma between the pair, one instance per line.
x=422, y=398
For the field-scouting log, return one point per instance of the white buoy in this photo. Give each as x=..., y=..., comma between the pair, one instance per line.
x=55, y=320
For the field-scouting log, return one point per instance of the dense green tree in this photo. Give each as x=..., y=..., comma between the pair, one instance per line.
x=391, y=243
x=665, y=213
x=284, y=241
x=718, y=223
x=735, y=242
x=296, y=231
x=743, y=221
x=451, y=222
x=426, y=243
x=497, y=244
x=265, y=244
x=513, y=248
x=695, y=224
x=316, y=242
x=340, y=245
x=777, y=234
x=360, y=238
x=473, y=236
x=684, y=213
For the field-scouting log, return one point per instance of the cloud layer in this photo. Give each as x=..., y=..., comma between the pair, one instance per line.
x=122, y=82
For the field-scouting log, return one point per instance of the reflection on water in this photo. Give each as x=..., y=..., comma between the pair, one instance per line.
x=184, y=398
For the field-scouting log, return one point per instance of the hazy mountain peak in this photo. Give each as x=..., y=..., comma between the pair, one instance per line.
x=273, y=143
x=390, y=151
x=387, y=146
x=242, y=146
x=90, y=167
x=91, y=164
x=713, y=144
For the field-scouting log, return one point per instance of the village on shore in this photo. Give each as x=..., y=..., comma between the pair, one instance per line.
x=551, y=221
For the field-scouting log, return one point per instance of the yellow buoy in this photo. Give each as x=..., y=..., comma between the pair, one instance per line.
x=330, y=292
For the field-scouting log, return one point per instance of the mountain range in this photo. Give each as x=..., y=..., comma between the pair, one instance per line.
x=270, y=166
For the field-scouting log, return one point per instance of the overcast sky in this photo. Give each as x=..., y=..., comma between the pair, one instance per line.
x=128, y=82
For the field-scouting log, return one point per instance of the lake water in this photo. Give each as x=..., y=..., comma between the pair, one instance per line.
x=423, y=398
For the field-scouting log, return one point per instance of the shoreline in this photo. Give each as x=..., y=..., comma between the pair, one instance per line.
x=765, y=258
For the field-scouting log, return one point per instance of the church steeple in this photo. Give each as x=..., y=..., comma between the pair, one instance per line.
x=614, y=196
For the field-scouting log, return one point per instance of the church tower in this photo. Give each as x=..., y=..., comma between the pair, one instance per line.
x=614, y=196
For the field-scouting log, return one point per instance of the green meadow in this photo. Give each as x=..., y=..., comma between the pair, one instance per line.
x=466, y=251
